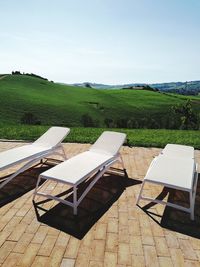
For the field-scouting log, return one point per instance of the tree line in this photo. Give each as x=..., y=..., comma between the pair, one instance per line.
x=29, y=74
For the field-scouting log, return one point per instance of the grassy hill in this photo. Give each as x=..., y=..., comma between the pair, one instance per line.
x=57, y=104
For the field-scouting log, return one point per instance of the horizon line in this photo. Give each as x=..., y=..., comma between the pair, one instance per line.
x=102, y=83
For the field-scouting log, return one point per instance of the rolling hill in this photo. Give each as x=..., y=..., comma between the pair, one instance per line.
x=184, y=88
x=57, y=104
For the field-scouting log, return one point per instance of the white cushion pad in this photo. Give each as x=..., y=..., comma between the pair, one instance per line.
x=19, y=154
x=175, y=173
x=75, y=169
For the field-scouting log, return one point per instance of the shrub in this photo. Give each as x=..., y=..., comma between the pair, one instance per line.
x=109, y=122
x=87, y=120
x=188, y=118
x=30, y=118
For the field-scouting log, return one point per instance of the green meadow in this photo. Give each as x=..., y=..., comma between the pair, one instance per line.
x=58, y=104
x=135, y=137
x=53, y=103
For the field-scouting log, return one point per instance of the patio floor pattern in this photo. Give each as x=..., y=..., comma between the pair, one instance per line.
x=110, y=230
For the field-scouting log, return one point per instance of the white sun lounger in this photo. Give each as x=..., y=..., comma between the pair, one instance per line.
x=49, y=143
x=92, y=163
x=179, y=151
x=176, y=173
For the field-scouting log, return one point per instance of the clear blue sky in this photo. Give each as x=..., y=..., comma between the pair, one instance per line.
x=103, y=41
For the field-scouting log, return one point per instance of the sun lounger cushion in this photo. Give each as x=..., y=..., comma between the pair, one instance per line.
x=77, y=168
x=19, y=154
x=172, y=173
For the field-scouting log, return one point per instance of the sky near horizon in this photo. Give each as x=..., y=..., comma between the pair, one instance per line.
x=102, y=41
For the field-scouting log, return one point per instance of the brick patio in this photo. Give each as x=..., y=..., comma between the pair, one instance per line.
x=110, y=230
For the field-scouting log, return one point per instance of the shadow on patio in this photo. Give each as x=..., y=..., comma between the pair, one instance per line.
x=99, y=199
x=174, y=219
x=23, y=183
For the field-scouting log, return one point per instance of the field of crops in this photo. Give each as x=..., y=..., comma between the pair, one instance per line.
x=56, y=104
x=136, y=137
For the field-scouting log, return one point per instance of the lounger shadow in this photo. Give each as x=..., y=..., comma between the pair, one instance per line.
x=99, y=200
x=23, y=183
x=177, y=220
x=173, y=219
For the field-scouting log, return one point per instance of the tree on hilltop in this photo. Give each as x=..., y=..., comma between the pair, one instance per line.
x=88, y=85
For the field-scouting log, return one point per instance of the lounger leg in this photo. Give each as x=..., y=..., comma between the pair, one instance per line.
x=63, y=152
x=193, y=194
x=122, y=162
x=123, y=166
x=75, y=200
x=140, y=194
x=192, y=197
x=36, y=187
x=195, y=184
x=22, y=169
x=8, y=179
x=191, y=206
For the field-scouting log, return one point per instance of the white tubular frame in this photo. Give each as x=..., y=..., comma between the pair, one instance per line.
x=192, y=194
x=76, y=202
x=32, y=160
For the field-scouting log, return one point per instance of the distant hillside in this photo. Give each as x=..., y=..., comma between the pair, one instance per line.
x=29, y=99
x=140, y=87
x=184, y=88
x=106, y=86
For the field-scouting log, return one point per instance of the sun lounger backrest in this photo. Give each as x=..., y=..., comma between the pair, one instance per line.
x=53, y=136
x=109, y=143
x=180, y=151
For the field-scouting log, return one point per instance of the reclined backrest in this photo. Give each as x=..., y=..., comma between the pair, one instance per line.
x=109, y=143
x=180, y=151
x=53, y=136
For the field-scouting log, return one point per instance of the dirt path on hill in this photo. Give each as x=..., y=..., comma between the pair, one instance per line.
x=3, y=76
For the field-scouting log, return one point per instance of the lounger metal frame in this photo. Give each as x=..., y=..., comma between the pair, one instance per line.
x=192, y=193
x=30, y=161
x=97, y=174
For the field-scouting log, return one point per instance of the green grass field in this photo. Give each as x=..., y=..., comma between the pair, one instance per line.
x=136, y=137
x=56, y=104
